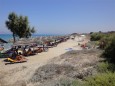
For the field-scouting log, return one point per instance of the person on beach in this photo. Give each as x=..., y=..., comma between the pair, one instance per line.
x=19, y=57
x=24, y=51
x=14, y=54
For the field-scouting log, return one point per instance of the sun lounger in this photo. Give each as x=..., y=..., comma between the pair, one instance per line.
x=29, y=53
x=11, y=61
x=3, y=55
x=38, y=50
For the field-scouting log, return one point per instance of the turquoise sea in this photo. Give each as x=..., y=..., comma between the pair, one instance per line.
x=9, y=36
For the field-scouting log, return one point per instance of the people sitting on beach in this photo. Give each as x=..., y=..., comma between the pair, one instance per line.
x=19, y=57
x=83, y=45
x=29, y=52
x=24, y=51
x=14, y=54
x=38, y=50
x=16, y=58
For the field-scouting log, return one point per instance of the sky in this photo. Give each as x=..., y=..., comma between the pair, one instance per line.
x=62, y=16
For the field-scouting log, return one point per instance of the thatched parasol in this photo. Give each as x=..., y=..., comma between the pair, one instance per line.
x=2, y=41
x=21, y=43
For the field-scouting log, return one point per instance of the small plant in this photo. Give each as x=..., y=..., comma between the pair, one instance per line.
x=105, y=67
x=77, y=83
x=104, y=79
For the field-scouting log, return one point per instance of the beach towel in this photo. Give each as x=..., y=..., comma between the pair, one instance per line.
x=69, y=49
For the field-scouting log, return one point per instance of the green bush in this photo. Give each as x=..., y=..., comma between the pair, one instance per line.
x=77, y=83
x=96, y=36
x=104, y=79
x=105, y=67
x=110, y=49
x=107, y=42
x=107, y=38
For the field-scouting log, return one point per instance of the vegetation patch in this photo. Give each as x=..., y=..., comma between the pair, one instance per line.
x=105, y=67
x=103, y=79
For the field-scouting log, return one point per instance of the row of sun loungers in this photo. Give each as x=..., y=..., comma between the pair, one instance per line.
x=22, y=49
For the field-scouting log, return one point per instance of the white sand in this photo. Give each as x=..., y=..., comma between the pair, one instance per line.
x=23, y=71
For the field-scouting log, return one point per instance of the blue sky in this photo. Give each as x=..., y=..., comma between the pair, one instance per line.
x=62, y=16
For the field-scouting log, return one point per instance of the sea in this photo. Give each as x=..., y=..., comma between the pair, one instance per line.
x=6, y=37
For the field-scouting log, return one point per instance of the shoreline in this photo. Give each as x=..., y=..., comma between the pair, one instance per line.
x=8, y=37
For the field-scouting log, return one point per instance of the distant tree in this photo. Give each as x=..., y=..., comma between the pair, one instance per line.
x=19, y=26
x=91, y=33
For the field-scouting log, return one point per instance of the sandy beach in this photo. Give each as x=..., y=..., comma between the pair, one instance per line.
x=23, y=71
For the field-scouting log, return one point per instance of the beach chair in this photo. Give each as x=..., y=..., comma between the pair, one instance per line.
x=29, y=53
x=3, y=55
x=18, y=59
x=39, y=50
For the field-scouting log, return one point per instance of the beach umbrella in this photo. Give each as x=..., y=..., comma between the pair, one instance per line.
x=40, y=42
x=2, y=41
x=21, y=43
x=22, y=39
